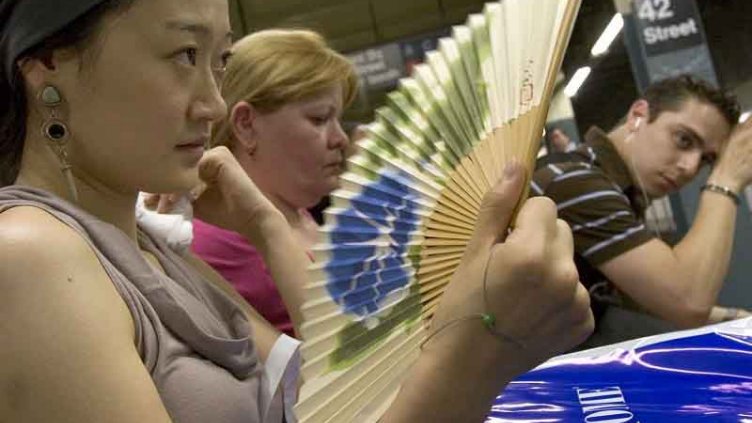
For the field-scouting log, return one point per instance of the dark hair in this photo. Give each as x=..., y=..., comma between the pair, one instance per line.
x=79, y=35
x=670, y=94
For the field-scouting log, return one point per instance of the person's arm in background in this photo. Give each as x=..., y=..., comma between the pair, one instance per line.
x=231, y=200
x=681, y=284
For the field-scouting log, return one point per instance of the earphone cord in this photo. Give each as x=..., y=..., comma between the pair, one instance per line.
x=641, y=187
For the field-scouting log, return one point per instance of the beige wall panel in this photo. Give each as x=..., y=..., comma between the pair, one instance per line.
x=354, y=24
x=396, y=11
x=353, y=41
x=415, y=25
x=335, y=21
x=458, y=16
x=476, y=5
x=282, y=7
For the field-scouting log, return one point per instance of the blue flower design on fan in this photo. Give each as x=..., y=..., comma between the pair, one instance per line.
x=361, y=274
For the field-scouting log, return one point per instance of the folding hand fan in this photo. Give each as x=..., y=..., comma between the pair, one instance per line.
x=408, y=204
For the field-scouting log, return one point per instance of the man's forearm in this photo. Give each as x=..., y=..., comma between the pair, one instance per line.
x=703, y=255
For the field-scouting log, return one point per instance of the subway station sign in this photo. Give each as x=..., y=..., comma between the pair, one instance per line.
x=667, y=25
x=379, y=67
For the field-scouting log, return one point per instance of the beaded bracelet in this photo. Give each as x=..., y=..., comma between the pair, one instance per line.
x=720, y=189
x=488, y=319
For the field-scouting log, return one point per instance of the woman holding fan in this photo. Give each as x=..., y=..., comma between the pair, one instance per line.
x=102, y=322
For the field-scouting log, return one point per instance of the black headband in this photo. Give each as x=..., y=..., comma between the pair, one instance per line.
x=30, y=22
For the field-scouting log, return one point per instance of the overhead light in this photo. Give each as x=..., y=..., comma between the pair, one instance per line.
x=577, y=80
x=745, y=115
x=609, y=34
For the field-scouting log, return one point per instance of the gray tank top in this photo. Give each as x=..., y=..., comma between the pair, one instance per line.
x=193, y=339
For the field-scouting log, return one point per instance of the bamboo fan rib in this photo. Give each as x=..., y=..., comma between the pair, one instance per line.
x=406, y=208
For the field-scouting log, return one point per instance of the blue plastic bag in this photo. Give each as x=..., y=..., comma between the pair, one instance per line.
x=702, y=375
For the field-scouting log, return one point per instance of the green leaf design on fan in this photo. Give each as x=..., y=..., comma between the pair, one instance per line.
x=356, y=340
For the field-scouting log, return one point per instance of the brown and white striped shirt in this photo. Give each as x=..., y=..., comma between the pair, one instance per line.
x=595, y=194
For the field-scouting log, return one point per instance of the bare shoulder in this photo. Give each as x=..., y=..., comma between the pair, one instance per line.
x=64, y=323
x=39, y=253
x=49, y=274
x=30, y=234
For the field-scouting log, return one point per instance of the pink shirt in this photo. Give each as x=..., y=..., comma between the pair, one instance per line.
x=240, y=264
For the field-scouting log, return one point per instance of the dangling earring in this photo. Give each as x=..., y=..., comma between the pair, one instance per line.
x=57, y=134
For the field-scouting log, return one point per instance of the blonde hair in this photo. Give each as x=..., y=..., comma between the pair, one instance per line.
x=271, y=68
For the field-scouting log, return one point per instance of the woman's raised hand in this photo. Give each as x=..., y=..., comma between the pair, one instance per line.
x=228, y=197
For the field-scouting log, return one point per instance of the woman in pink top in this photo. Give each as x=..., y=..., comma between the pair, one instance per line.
x=285, y=90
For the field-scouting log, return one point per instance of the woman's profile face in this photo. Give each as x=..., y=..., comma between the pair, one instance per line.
x=141, y=105
x=301, y=149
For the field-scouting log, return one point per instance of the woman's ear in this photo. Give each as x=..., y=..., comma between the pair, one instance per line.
x=243, y=119
x=52, y=68
x=35, y=72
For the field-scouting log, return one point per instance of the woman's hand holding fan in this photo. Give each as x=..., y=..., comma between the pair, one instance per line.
x=532, y=288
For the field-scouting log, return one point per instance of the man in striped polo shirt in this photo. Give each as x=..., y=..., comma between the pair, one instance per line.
x=601, y=190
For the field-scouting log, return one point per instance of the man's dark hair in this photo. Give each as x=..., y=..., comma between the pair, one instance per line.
x=671, y=93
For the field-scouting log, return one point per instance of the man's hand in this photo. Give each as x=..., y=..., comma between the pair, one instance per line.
x=734, y=167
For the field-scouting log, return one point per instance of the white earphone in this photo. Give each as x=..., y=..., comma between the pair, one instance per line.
x=637, y=123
